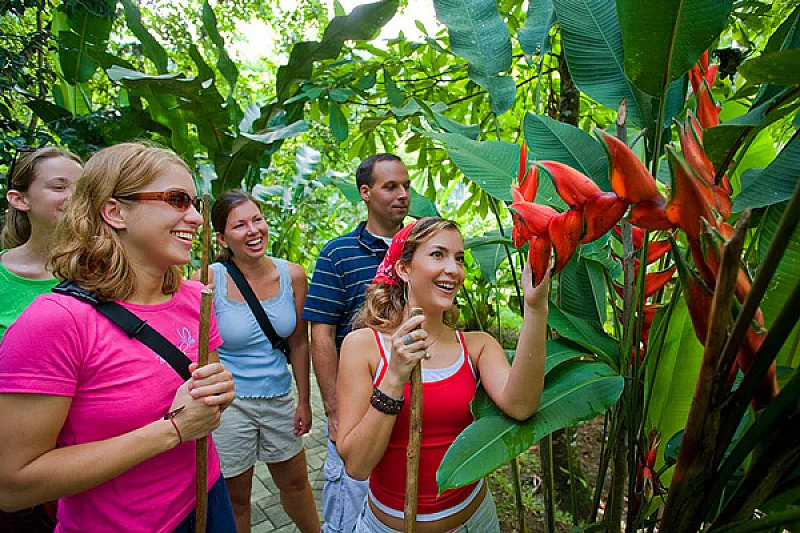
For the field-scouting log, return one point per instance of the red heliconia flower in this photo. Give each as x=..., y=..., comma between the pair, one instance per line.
x=703, y=78
x=532, y=224
x=530, y=219
x=651, y=215
x=539, y=256
x=571, y=185
x=707, y=110
x=701, y=71
x=655, y=281
x=600, y=214
x=599, y=211
x=717, y=196
x=707, y=254
x=527, y=182
x=633, y=183
x=691, y=145
x=565, y=231
x=688, y=205
x=629, y=178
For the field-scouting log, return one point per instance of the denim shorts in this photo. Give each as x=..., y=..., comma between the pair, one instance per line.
x=219, y=517
x=484, y=520
x=343, y=497
x=256, y=429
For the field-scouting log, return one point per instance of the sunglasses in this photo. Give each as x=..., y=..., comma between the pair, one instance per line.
x=176, y=198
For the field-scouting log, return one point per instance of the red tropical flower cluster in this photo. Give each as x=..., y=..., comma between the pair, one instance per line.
x=699, y=202
x=590, y=214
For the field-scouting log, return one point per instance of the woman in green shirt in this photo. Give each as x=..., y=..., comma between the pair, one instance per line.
x=39, y=184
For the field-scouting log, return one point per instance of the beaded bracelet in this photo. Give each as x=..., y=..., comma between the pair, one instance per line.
x=386, y=404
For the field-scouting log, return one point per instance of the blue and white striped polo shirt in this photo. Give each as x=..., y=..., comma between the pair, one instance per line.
x=345, y=266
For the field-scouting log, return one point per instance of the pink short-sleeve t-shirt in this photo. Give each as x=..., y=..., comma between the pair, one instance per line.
x=61, y=346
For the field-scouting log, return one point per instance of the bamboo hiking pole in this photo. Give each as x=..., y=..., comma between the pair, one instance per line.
x=414, y=441
x=202, y=359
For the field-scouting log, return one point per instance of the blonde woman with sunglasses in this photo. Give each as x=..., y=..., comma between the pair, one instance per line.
x=91, y=416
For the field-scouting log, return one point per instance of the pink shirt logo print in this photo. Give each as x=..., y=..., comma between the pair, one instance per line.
x=186, y=339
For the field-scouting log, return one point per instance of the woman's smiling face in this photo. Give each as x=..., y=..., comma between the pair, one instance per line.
x=436, y=271
x=156, y=232
x=246, y=231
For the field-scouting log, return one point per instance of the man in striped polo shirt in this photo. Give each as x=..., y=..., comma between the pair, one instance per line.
x=345, y=266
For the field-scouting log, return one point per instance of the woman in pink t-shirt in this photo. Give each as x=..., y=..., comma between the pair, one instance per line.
x=91, y=416
x=424, y=268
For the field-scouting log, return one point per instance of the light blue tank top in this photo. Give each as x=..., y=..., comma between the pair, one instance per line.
x=259, y=370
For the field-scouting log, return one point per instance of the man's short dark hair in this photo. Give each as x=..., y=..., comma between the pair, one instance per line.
x=364, y=171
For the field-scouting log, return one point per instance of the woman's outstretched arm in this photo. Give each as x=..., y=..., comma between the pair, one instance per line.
x=517, y=388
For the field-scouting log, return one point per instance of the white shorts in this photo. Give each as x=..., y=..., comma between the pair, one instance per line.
x=256, y=429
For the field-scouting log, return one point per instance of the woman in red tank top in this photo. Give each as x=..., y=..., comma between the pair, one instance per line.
x=424, y=268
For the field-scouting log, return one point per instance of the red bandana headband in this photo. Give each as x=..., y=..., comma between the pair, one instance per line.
x=386, y=272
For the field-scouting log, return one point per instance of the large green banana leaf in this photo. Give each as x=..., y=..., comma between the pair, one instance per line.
x=575, y=391
x=672, y=365
x=224, y=62
x=151, y=47
x=534, y=36
x=592, y=43
x=775, y=183
x=786, y=277
x=662, y=39
x=582, y=290
x=587, y=334
x=492, y=165
x=478, y=34
x=363, y=23
x=77, y=30
x=785, y=37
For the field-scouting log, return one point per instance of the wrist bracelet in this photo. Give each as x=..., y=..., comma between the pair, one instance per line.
x=171, y=417
x=386, y=404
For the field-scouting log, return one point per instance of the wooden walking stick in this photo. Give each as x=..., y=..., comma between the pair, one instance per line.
x=202, y=360
x=414, y=441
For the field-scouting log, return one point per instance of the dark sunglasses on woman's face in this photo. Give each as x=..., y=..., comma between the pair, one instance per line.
x=177, y=198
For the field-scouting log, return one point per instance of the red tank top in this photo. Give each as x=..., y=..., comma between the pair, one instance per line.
x=445, y=414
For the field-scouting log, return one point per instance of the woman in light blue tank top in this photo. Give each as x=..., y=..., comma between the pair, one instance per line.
x=263, y=422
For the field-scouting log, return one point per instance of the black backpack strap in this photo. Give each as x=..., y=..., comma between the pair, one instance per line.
x=255, y=306
x=132, y=325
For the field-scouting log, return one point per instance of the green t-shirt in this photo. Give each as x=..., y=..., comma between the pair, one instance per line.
x=17, y=293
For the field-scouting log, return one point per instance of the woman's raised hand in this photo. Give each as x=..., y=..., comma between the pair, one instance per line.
x=535, y=297
x=409, y=345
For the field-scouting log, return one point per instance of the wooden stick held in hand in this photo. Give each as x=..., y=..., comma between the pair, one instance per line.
x=414, y=441
x=202, y=359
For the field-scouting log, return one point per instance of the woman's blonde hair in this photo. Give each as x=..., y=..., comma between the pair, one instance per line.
x=87, y=249
x=384, y=303
x=21, y=173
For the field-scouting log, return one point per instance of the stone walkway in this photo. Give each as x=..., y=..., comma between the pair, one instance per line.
x=268, y=515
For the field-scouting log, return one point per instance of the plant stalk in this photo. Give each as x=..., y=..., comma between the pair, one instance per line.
x=687, y=502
